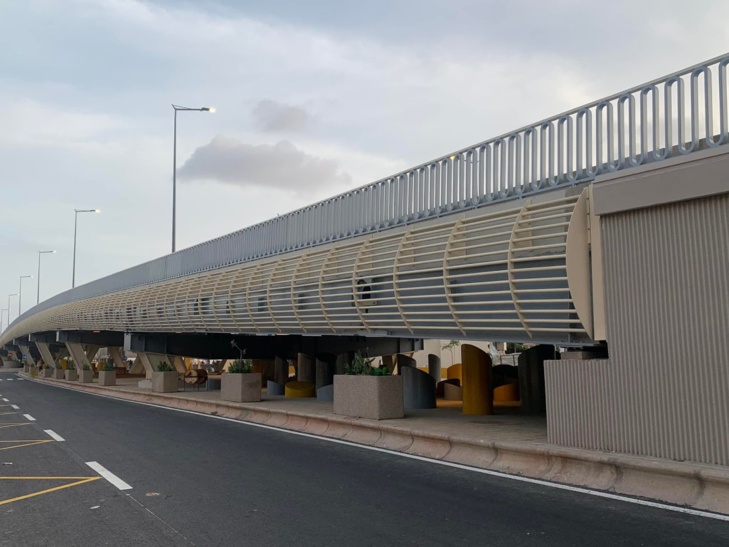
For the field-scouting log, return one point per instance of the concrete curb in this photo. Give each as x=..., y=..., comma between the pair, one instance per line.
x=699, y=486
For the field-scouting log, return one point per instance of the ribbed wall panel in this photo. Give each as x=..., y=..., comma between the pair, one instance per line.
x=664, y=391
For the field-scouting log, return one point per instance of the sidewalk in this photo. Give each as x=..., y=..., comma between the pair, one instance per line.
x=505, y=443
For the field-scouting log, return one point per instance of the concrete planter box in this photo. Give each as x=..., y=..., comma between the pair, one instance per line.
x=165, y=382
x=107, y=378
x=240, y=388
x=12, y=364
x=86, y=376
x=71, y=375
x=372, y=397
x=55, y=373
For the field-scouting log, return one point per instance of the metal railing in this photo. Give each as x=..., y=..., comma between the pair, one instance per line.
x=673, y=115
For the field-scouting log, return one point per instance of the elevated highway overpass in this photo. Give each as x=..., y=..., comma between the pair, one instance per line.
x=604, y=226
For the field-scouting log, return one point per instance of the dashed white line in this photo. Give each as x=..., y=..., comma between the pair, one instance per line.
x=6, y=400
x=29, y=417
x=16, y=407
x=9, y=379
x=54, y=435
x=108, y=475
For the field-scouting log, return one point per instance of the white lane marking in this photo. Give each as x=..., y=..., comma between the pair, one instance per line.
x=16, y=407
x=567, y=487
x=6, y=400
x=108, y=475
x=9, y=379
x=29, y=417
x=54, y=435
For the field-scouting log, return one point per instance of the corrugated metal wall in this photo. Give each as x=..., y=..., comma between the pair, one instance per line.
x=665, y=389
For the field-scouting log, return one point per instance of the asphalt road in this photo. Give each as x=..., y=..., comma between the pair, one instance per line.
x=197, y=480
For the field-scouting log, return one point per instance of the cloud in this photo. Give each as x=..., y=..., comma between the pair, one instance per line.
x=271, y=116
x=279, y=165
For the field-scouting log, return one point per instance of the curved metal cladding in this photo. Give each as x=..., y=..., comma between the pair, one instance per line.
x=519, y=273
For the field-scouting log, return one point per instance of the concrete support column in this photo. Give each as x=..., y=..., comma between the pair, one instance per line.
x=115, y=354
x=325, y=364
x=91, y=351
x=25, y=350
x=47, y=355
x=477, y=388
x=137, y=366
x=531, y=378
x=306, y=371
x=280, y=371
x=177, y=362
x=78, y=352
x=151, y=361
x=434, y=366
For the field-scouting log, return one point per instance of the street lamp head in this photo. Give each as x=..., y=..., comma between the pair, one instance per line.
x=97, y=210
x=211, y=109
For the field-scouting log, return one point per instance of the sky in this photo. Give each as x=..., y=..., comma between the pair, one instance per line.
x=312, y=98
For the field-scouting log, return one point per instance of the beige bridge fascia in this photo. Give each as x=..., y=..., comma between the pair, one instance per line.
x=520, y=270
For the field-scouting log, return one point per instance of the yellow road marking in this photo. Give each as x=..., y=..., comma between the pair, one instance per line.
x=14, y=425
x=83, y=480
x=6, y=413
x=29, y=442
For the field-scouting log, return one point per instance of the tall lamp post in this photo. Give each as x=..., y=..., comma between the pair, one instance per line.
x=2, y=314
x=9, y=308
x=37, y=298
x=177, y=108
x=20, y=293
x=75, y=230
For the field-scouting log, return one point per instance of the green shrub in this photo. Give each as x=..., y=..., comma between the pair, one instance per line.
x=164, y=366
x=361, y=366
x=241, y=366
x=109, y=365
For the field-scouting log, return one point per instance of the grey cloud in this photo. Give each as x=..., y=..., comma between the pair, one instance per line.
x=271, y=116
x=279, y=165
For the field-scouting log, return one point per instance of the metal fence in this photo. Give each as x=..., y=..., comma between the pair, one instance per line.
x=674, y=115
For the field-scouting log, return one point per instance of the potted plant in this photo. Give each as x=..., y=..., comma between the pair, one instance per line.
x=367, y=391
x=165, y=378
x=107, y=376
x=71, y=374
x=240, y=384
x=87, y=375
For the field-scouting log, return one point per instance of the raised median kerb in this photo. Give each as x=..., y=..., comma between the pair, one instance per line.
x=515, y=445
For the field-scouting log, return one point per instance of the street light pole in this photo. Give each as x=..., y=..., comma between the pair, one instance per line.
x=9, y=297
x=176, y=108
x=2, y=313
x=37, y=298
x=75, y=230
x=20, y=293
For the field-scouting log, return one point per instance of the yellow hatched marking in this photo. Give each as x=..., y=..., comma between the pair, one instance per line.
x=7, y=413
x=83, y=480
x=14, y=425
x=29, y=442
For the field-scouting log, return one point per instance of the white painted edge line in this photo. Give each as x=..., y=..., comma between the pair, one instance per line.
x=29, y=417
x=16, y=407
x=108, y=475
x=548, y=484
x=55, y=436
